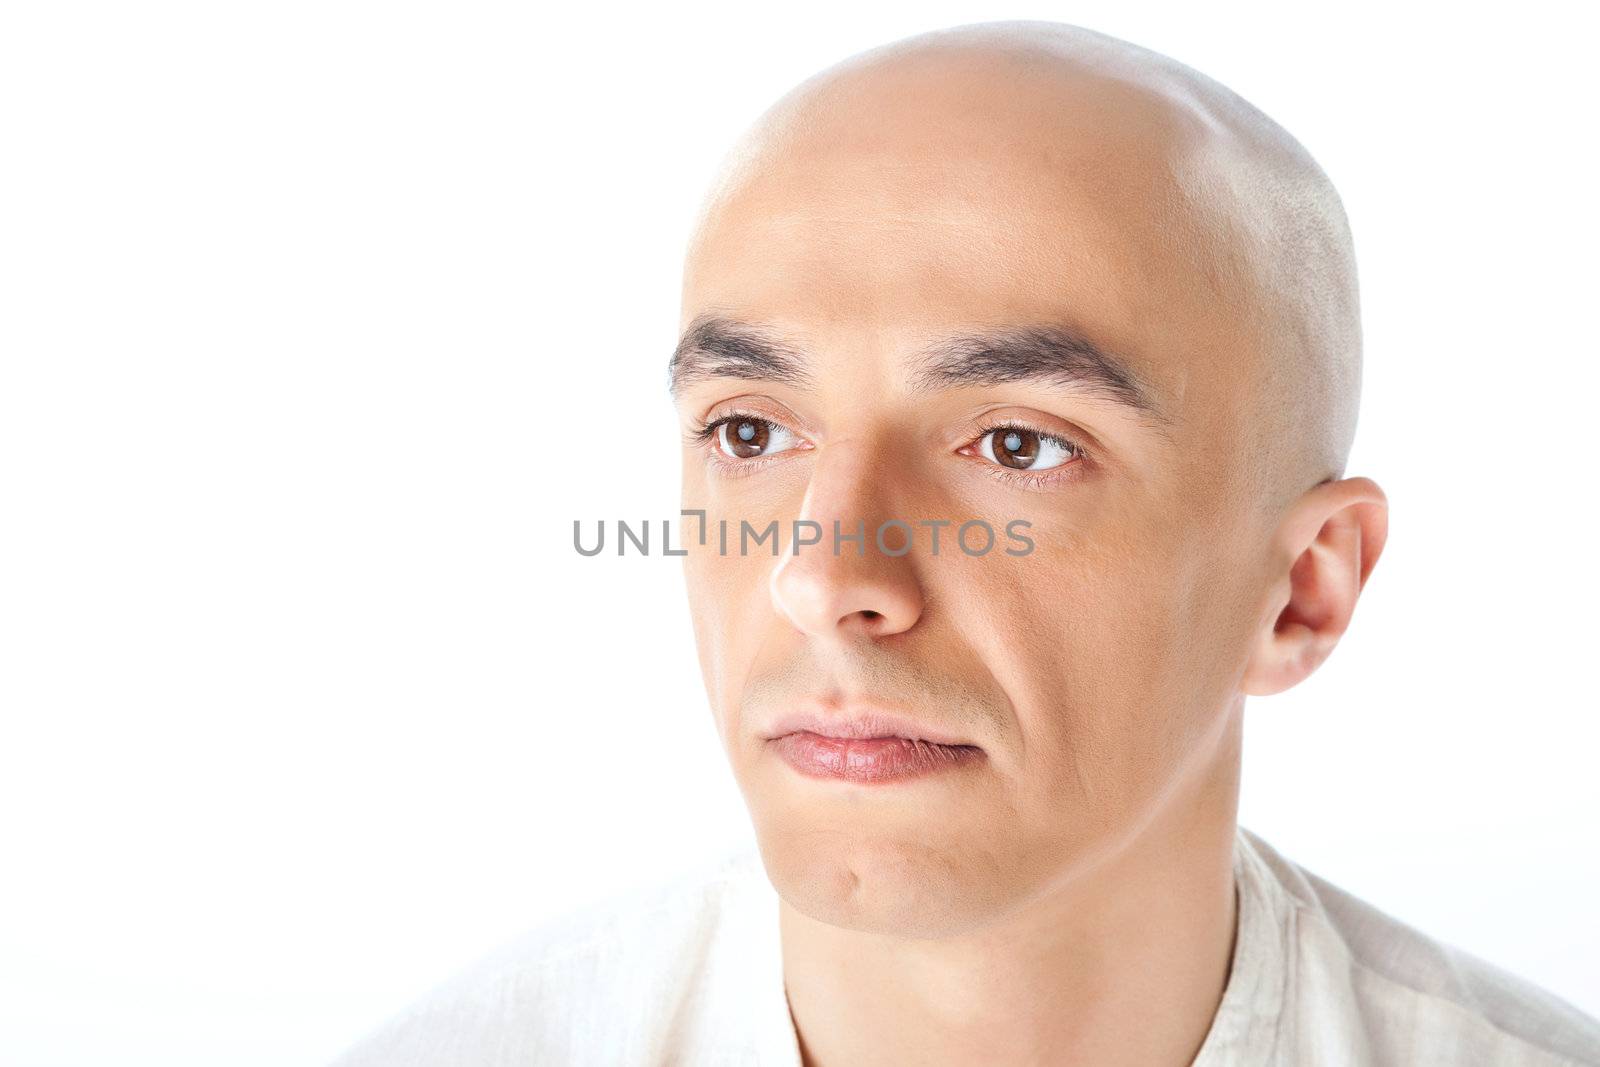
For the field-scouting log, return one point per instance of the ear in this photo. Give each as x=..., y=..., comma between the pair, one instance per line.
x=1328, y=544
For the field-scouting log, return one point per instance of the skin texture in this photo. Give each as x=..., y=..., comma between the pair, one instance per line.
x=1068, y=897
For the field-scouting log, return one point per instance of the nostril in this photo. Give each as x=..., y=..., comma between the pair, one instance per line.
x=870, y=615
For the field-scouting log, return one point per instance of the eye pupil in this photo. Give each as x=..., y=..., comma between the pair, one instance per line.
x=1018, y=449
x=746, y=431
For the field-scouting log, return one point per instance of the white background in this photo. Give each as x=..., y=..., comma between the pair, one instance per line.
x=321, y=322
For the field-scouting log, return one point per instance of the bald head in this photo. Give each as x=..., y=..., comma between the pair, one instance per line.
x=1143, y=203
x=1028, y=276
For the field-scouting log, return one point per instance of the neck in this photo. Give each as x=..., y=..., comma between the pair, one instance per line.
x=1125, y=964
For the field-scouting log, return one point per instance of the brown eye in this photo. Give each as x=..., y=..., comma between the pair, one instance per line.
x=741, y=437
x=744, y=438
x=1025, y=450
x=1016, y=448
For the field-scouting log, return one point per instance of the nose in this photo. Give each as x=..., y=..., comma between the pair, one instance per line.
x=849, y=586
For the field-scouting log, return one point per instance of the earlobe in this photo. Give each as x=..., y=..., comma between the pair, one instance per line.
x=1333, y=536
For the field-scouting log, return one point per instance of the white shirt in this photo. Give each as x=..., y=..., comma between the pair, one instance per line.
x=691, y=974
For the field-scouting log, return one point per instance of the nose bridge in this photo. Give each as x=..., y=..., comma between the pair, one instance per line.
x=849, y=484
x=836, y=577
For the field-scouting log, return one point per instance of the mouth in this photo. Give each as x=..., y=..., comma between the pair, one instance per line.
x=867, y=747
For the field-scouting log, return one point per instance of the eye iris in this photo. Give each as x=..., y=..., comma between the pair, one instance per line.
x=1017, y=448
x=749, y=438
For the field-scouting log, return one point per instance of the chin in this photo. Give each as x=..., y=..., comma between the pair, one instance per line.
x=895, y=886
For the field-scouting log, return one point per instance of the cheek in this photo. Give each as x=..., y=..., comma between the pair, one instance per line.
x=1099, y=659
x=1214, y=605
x=731, y=611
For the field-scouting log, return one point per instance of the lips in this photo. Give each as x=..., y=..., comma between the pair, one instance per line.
x=867, y=747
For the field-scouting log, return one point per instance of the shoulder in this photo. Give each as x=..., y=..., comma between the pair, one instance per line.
x=639, y=977
x=1414, y=999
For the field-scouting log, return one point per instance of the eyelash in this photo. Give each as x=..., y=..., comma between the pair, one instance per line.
x=705, y=432
x=704, y=436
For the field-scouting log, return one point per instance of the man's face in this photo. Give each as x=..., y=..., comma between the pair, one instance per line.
x=1090, y=680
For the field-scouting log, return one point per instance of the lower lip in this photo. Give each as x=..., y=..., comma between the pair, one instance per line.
x=870, y=759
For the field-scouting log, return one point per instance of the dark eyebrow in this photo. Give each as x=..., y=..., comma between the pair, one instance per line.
x=1050, y=355
x=715, y=346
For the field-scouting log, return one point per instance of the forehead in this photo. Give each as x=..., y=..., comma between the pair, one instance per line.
x=885, y=225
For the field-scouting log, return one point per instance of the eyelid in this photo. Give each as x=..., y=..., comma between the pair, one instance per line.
x=707, y=428
x=754, y=406
x=1075, y=441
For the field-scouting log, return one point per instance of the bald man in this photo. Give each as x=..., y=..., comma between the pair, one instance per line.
x=1092, y=319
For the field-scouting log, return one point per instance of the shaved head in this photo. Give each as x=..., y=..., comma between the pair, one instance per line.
x=1218, y=206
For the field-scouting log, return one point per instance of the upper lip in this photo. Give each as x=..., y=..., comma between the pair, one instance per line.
x=857, y=722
